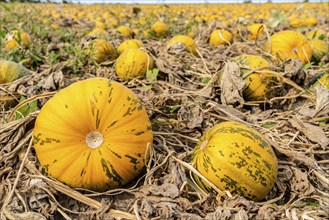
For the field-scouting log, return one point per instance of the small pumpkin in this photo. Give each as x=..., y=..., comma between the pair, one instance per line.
x=290, y=44
x=93, y=134
x=182, y=42
x=133, y=63
x=101, y=50
x=323, y=80
x=220, y=37
x=236, y=158
x=319, y=49
x=17, y=38
x=99, y=33
x=10, y=71
x=160, y=29
x=129, y=44
x=255, y=30
x=259, y=85
x=125, y=31
x=317, y=34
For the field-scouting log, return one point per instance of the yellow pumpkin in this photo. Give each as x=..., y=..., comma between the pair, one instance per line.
x=125, y=31
x=323, y=80
x=99, y=33
x=255, y=30
x=101, y=50
x=129, y=44
x=319, y=49
x=220, y=37
x=93, y=134
x=182, y=42
x=236, y=158
x=259, y=85
x=17, y=38
x=317, y=34
x=10, y=71
x=133, y=63
x=290, y=44
x=160, y=29
x=100, y=25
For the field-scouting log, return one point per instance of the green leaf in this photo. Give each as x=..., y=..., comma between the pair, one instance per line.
x=205, y=80
x=2, y=34
x=307, y=66
x=5, y=7
x=269, y=125
x=152, y=75
x=26, y=109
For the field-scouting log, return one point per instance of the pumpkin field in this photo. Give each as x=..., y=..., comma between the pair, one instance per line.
x=164, y=111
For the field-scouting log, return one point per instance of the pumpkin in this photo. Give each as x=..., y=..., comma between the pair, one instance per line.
x=100, y=25
x=323, y=80
x=125, y=31
x=259, y=85
x=255, y=30
x=93, y=134
x=182, y=42
x=16, y=38
x=133, y=63
x=220, y=37
x=317, y=34
x=129, y=44
x=290, y=44
x=160, y=29
x=10, y=71
x=99, y=33
x=236, y=158
x=319, y=49
x=101, y=50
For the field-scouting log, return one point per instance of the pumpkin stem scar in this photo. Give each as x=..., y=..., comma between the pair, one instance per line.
x=204, y=144
x=94, y=139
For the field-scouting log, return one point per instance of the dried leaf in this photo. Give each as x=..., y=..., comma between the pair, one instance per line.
x=312, y=132
x=231, y=84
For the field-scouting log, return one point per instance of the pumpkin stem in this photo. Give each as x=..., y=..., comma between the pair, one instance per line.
x=94, y=139
x=204, y=144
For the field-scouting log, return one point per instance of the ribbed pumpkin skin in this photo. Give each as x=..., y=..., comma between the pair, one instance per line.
x=102, y=50
x=259, y=85
x=187, y=42
x=87, y=106
x=10, y=71
x=290, y=44
x=236, y=158
x=133, y=63
x=319, y=49
x=220, y=37
x=129, y=44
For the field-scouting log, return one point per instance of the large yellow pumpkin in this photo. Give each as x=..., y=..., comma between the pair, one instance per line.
x=10, y=71
x=220, y=37
x=101, y=50
x=182, y=42
x=133, y=63
x=236, y=158
x=93, y=134
x=290, y=44
x=259, y=85
x=129, y=44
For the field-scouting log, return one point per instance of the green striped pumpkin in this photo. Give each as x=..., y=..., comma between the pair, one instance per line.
x=236, y=158
x=93, y=134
